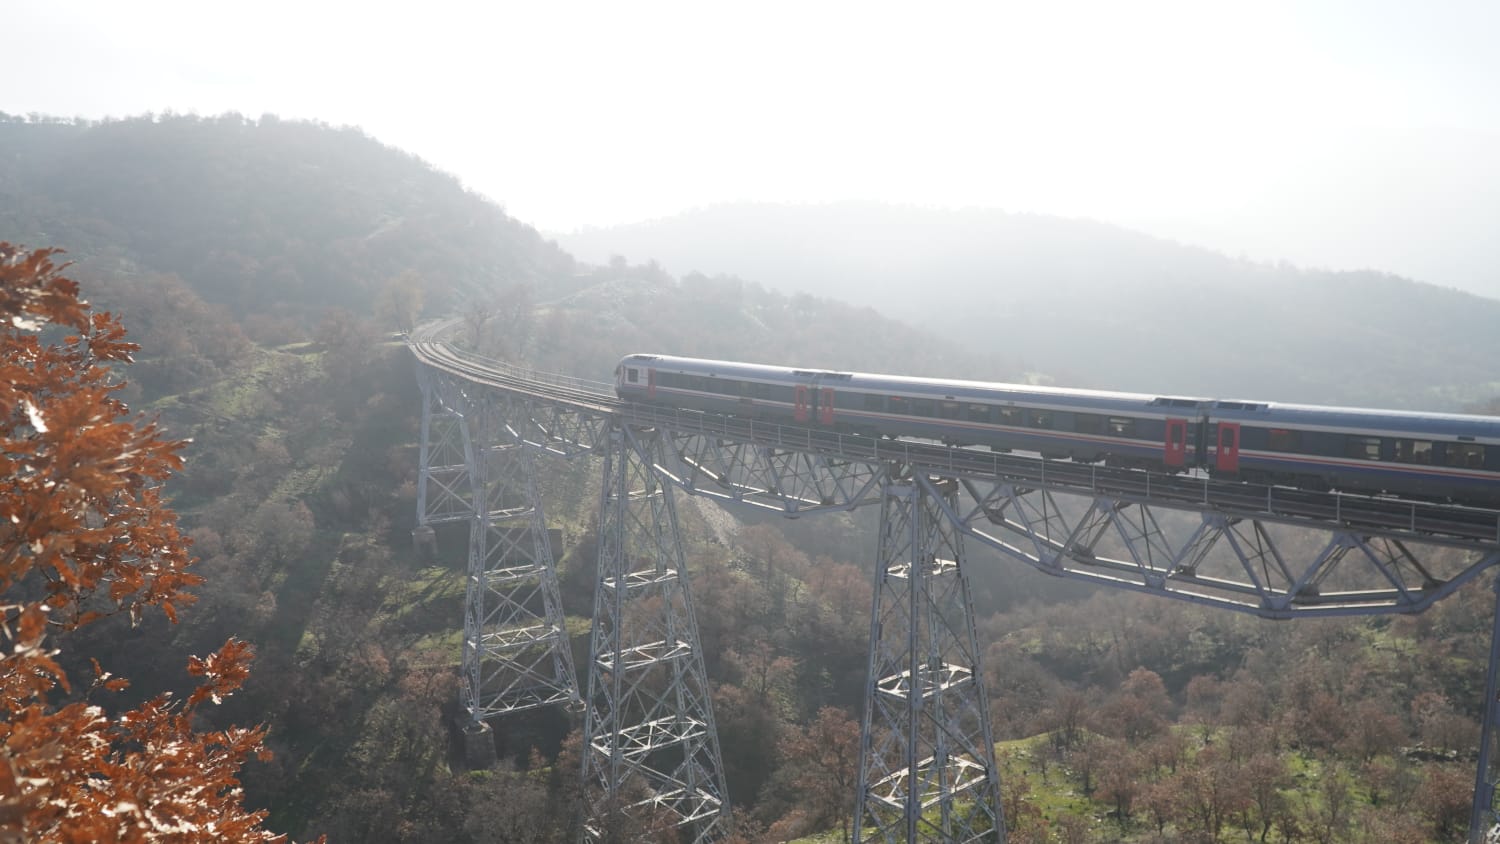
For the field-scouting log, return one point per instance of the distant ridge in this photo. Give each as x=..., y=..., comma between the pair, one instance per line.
x=1092, y=304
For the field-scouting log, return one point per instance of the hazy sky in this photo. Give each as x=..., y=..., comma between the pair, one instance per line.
x=1335, y=134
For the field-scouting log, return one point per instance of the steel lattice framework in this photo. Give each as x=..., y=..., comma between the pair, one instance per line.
x=516, y=654
x=651, y=753
x=1273, y=552
x=928, y=765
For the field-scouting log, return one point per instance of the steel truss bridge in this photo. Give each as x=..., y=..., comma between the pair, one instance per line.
x=927, y=771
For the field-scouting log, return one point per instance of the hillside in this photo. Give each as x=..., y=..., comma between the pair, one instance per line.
x=265, y=217
x=1094, y=305
x=277, y=363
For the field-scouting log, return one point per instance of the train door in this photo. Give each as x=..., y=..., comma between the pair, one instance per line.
x=825, y=406
x=651, y=383
x=800, y=408
x=1175, y=452
x=1227, y=455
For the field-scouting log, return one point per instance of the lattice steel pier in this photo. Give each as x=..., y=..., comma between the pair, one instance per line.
x=928, y=765
x=651, y=752
x=515, y=651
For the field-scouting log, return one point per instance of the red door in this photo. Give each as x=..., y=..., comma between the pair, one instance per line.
x=1228, y=454
x=651, y=383
x=1176, y=445
x=825, y=406
x=799, y=411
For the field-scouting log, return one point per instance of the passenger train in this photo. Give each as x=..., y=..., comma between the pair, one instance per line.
x=1439, y=456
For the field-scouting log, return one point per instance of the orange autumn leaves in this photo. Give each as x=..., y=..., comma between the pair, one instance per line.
x=85, y=535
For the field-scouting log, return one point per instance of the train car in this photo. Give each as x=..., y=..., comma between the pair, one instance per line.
x=1445, y=456
x=1085, y=425
x=1428, y=455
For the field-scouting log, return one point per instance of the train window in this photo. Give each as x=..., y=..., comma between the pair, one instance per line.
x=899, y=404
x=1088, y=423
x=1466, y=455
x=1362, y=448
x=1010, y=416
x=762, y=390
x=874, y=402
x=979, y=413
x=1041, y=419
x=1414, y=451
x=632, y=375
x=948, y=409
x=1122, y=426
x=697, y=382
x=729, y=386
x=921, y=407
x=1280, y=439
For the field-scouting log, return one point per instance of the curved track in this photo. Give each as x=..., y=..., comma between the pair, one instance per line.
x=1103, y=530
x=1446, y=524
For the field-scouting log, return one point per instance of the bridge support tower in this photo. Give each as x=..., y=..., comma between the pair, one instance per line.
x=651, y=751
x=928, y=762
x=515, y=653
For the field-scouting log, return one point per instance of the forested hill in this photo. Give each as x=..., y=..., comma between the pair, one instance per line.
x=254, y=263
x=261, y=215
x=1092, y=304
x=279, y=223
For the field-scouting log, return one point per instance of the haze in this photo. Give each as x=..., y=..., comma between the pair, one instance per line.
x=1341, y=135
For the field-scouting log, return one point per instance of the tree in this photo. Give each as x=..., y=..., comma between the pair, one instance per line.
x=1445, y=797
x=1373, y=731
x=1140, y=708
x=399, y=301
x=476, y=313
x=84, y=535
x=826, y=756
x=1264, y=777
x=1121, y=781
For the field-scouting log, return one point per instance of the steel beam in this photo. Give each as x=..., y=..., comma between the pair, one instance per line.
x=1256, y=566
x=651, y=751
x=789, y=481
x=516, y=654
x=443, y=485
x=927, y=770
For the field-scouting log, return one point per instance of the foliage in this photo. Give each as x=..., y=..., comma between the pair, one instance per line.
x=85, y=535
x=258, y=254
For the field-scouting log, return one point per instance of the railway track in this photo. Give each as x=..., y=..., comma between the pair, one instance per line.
x=1434, y=522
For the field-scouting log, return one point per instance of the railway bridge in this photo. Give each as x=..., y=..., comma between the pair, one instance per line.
x=927, y=771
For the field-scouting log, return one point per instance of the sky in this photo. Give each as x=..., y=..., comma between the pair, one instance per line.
x=1341, y=135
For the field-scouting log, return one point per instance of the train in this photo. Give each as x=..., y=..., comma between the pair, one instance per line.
x=1432, y=456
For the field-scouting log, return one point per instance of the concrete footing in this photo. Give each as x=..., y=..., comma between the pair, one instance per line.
x=479, y=746
x=424, y=542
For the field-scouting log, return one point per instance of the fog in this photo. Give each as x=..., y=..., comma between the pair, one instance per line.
x=1341, y=135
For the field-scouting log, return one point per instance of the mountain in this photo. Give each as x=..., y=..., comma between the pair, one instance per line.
x=251, y=261
x=261, y=215
x=1088, y=304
